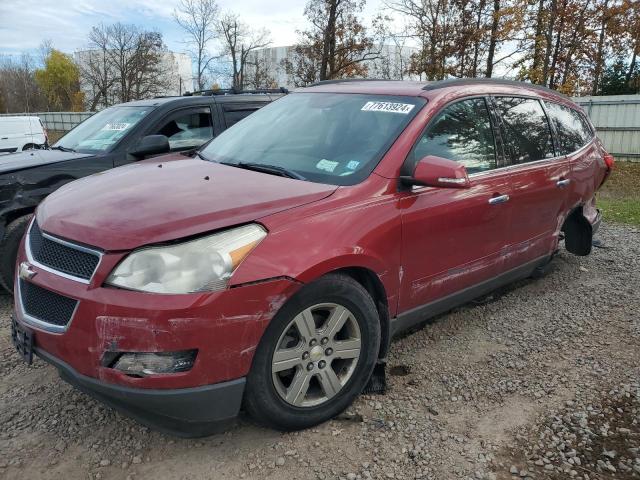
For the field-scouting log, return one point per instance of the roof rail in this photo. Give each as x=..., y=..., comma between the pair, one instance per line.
x=453, y=82
x=235, y=91
x=347, y=80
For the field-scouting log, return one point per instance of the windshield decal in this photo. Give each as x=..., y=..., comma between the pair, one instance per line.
x=389, y=107
x=326, y=165
x=353, y=164
x=116, y=126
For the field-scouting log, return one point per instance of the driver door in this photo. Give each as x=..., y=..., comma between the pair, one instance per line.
x=452, y=239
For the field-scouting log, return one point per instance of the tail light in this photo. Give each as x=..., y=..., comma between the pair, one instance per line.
x=609, y=161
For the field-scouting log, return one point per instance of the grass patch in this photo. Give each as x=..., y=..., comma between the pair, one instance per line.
x=619, y=198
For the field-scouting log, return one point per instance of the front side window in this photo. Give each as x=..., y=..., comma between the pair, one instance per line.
x=188, y=129
x=573, y=131
x=461, y=132
x=526, y=132
x=333, y=138
x=100, y=132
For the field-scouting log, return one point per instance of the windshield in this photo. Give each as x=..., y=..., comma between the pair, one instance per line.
x=324, y=137
x=100, y=132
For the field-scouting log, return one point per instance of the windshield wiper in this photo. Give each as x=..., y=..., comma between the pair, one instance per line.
x=62, y=149
x=271, y=169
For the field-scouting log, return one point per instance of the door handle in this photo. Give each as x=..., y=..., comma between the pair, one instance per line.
x=563, y=183
x=498, y=199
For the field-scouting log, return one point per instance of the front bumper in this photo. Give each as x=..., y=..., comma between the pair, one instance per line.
x=224, y=327
x=185, y=412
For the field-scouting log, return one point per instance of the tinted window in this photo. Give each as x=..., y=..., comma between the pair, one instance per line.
x=526, y=132
x=332, y=138
x=188, y=130
x=234, y=112
x=461, y=132
x=573, y=130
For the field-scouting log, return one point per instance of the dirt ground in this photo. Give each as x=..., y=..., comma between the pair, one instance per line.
x=540, y=380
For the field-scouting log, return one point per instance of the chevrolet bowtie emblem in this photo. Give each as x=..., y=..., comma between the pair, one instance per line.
x=26, y=272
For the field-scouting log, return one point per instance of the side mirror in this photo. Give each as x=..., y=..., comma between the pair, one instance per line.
x=432, y=171
x=150, y=145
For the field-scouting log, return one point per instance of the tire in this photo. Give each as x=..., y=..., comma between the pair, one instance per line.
x=330, y=297
x=9, y=250
x=30, y=146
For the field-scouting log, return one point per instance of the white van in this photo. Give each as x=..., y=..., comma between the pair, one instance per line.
x=21, y=133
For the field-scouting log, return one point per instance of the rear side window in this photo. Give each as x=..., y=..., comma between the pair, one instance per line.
x=461, y=132
x=234, y=112
x=526, y=132
x=573, y=130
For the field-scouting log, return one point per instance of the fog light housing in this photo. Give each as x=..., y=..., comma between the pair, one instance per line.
x=143, y=364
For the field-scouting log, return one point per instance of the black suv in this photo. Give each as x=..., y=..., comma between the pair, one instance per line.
x=112, y=137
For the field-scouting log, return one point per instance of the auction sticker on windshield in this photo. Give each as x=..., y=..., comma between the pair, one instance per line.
x=390, y=107
x=116, y=126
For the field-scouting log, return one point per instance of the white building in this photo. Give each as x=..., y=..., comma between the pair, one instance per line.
x=176, y=68
x=391, y=65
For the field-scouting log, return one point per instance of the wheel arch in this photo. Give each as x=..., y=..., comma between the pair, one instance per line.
x=16, y=214
x=578, y=232
x=374, y=286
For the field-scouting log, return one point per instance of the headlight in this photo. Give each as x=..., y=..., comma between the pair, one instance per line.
x=205, y=264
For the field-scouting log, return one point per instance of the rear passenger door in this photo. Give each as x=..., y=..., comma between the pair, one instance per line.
x=539, y=179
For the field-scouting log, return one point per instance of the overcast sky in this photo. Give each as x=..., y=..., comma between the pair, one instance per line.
x=24, y=24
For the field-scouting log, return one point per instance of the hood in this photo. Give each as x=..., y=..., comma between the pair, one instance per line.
x=167, y=198
x=34, y=158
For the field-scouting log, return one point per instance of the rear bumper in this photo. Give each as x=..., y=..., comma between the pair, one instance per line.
x=184, y=412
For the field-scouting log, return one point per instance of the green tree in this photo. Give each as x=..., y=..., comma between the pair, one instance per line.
x=614, y=80
x=60, y=80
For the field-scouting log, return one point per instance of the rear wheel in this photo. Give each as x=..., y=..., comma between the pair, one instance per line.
x=316, y=355
x=9, y=250
x=31, y=146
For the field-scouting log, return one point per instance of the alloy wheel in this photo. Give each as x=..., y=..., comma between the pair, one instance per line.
x=316, y=355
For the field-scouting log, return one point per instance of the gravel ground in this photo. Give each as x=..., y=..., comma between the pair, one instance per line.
x=540, y=380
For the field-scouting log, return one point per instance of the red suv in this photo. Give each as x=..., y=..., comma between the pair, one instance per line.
x=271, y=271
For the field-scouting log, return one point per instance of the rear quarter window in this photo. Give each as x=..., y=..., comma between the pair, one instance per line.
x=573, y=130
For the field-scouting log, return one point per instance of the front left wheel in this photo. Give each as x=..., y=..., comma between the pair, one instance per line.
x=316, y=355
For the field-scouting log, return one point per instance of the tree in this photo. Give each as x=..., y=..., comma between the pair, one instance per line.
x=614, y=80
x=19, y=90
x=336, y=45
x=239, y=42
x=461, y=38
x=95, y=68
x=199, y=19
x=258, y=73
x=570, y=43
x=630, y=38
x=124, y=63
x=60, y=81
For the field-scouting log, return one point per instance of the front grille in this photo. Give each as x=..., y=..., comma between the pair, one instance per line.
x=45, y=305
x=61, y=257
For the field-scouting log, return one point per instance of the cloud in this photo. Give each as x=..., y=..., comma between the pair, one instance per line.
x=67, y=23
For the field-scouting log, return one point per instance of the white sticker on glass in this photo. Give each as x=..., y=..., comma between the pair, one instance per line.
x=353, y=164
x=116, y=126
x=390, y=107
x=326, y=165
